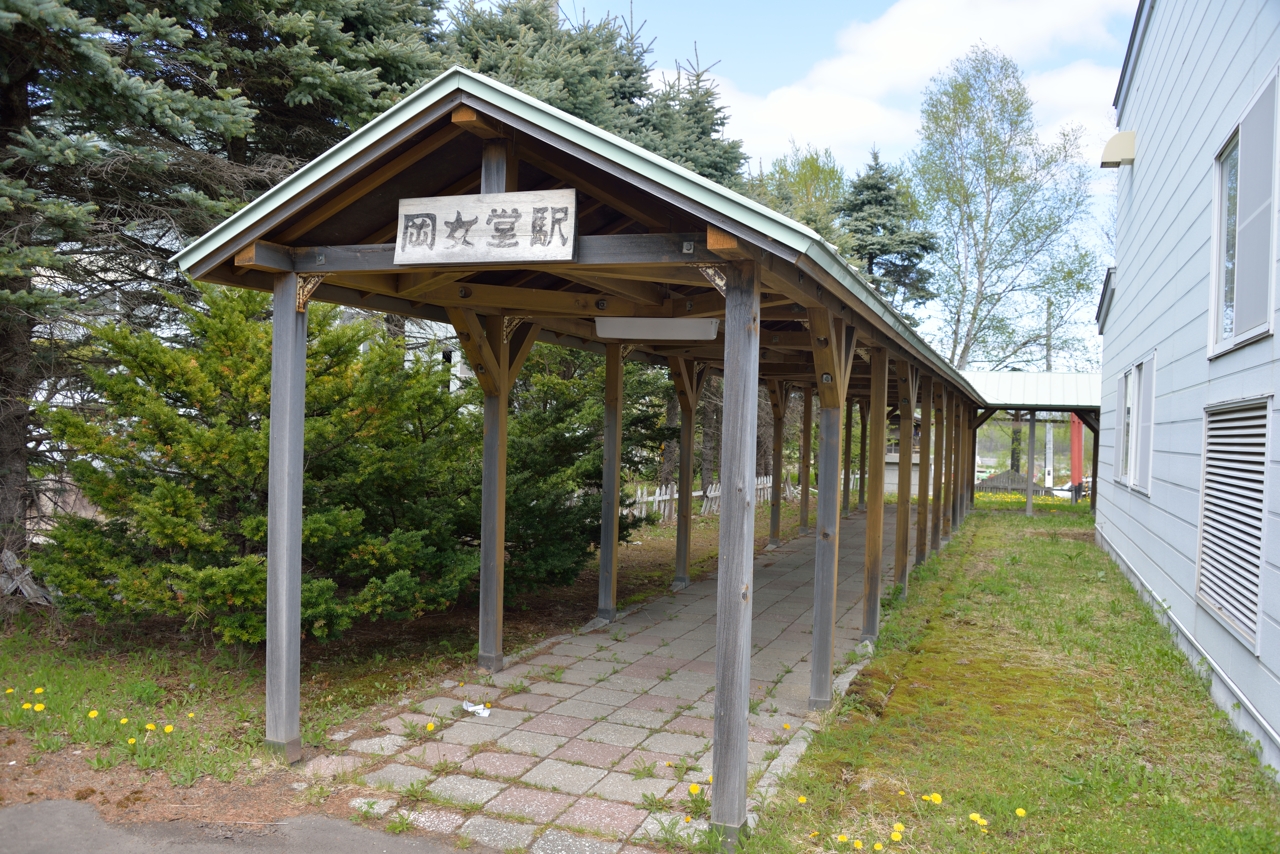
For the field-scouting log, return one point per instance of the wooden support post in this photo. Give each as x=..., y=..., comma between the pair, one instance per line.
x=948, y=474
x=688, y=380
x=806, y=453
x=1093, y=485
x=848, y=456
x=735, y=584
x=284, y=518
x=778, y=402
x=493, y=498
x=611, y=486
x=1031, y=462
x=956, y=456
x=939, y=405
x=826, y=559
x=966, y=461
x=922, y=503
x=906, y=375
x=862, y=455
x=970, y=484
x=875, y=492
x=833, y=344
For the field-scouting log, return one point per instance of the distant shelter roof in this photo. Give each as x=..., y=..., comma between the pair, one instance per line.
x=1039, y=391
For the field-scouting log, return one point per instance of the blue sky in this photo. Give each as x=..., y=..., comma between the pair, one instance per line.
x=848, y=75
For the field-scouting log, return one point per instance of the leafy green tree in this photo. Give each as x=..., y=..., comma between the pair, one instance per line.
x=175, y=461
x=879, y=232
x=807, y=185
x=1008, y=208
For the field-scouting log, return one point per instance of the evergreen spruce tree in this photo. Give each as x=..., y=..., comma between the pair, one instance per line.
x=876, y=219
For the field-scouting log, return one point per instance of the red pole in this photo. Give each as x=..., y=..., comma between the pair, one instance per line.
x=1077, y=451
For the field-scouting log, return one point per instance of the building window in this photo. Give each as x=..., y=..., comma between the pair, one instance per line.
x=1242, y=267
x=1135, y=425
x=1233, y=514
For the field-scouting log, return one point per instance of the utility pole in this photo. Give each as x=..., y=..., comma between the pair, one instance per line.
x=1048, y=366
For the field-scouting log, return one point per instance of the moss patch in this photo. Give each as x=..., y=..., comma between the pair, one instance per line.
x=1024, y=672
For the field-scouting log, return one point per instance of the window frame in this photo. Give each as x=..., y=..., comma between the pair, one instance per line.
x=1136, y=377
x=1218, y=348
x=1254, y=645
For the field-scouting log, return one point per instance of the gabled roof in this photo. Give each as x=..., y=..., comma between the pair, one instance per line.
x=719, y=205
x=1042, y=391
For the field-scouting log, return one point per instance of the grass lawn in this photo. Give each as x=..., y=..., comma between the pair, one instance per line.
x=85, y=690
x=1025, y=674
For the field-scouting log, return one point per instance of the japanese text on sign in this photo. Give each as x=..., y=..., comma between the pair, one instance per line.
x=492, y=228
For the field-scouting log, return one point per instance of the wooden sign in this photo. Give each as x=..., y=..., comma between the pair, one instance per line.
x=488, y=228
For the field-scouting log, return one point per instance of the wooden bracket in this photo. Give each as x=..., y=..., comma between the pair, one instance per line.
x=833, y=347
x=522, y=337
x=728, y=246
x=778, y=390
x=475, y=344
x=307, y=284
x=713, y=274
x=689, y=377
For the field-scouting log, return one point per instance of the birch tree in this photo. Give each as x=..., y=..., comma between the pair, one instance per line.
x=1008, y=209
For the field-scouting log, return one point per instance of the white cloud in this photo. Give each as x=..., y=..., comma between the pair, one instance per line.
x=869, y=94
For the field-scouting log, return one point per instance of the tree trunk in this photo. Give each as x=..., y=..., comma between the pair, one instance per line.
x=17, y=386
x=670, y=448
x=710, y=435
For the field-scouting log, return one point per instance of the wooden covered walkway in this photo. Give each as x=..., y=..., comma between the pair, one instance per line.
x=473, y=204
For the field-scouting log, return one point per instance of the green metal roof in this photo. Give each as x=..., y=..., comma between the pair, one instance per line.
x=247, y=223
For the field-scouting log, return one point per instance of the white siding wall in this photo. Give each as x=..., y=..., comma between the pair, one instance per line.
x=1200, y=64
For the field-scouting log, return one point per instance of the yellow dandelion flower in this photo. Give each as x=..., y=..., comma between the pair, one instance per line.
x=93, y=713
x=924, y=797
x=460, y=684
x=936, y=798
x=1020, y=812
x=982, y=822
x=39, y=707
x=973, y=816
x=8, y=690
x=694, y=788
x=26, y=705
x=687, y=819
x=983, y=829
x=708, y=778
x=857, y=843
x=813, y=834
x=191, y=715
x=151, y=727
x=38, y=691
x=430, y=727
x=668, y=764
x=802, y=800
x=133, y=741
x=897, y=825
x=901, y=792
x=896, y=836
x=488, y=705
x=878, y=847
x=168, y=728
x=842, y=838
x=786, y=726
x=124, y=720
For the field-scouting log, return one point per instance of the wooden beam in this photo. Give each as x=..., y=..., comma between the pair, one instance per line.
x=367, y=184
x=284, y=518
x=735, y=584
x=642, y=293
x=875, y=493
x=579, y=179
x=530, y=301
x=467, y=118
x=727, y=246
x=826, y=556
x=466, y=185
x=268, y=257
x=984, y=417
x=1031, y=462
x=848, y=456
x=926, y=448
x=862, y=450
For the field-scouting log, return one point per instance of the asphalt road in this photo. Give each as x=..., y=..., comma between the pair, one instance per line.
x=70, y=827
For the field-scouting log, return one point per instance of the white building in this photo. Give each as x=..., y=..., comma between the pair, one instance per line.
x=1188, y=499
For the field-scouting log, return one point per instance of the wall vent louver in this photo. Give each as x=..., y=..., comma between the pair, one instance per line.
x=1231, y=527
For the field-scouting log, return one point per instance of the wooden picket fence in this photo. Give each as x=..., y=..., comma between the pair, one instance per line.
x=663, y=501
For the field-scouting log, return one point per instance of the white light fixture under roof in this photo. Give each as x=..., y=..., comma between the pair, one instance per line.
x=658, y=328
x=1120, y=150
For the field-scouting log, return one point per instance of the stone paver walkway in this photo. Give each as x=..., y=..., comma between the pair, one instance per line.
x=594, y=744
